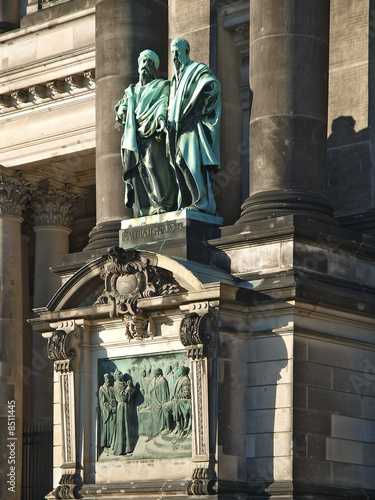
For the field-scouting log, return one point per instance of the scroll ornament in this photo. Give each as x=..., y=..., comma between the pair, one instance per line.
x=129, y=276
x=195, y=332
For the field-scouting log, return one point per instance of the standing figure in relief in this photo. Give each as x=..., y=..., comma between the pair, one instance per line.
x=158, y=391
x=126, y=435
x=193, y=129
x=150, y=185
x=107, y=406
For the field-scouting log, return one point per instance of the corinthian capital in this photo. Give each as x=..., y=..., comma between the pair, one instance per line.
x=15, y=191
x=54, y=203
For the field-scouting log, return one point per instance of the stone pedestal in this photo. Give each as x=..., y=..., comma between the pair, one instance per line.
x=178, y=234
x=288, y=124
x=310, y=357
x=123, y=30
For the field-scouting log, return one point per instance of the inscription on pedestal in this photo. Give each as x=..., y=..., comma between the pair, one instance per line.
x=139, y=234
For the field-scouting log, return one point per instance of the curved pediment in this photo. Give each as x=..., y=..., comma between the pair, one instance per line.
x=126, y=275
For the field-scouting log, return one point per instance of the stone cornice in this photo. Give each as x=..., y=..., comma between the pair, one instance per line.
x=76, y=61
x=47, y=25
x=47, y=91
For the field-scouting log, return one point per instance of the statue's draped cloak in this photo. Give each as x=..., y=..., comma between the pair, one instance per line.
x=107, y=405
x=125, y=419
x=194, y=133
x=150, y=185
x=159, y=395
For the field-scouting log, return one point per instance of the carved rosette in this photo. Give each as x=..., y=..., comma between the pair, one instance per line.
x=128, y=277
x=54, y=203
x=15, y=191
x=202, y=482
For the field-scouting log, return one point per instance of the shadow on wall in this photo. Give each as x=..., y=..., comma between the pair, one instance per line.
x=350, y=168
x=268, y=427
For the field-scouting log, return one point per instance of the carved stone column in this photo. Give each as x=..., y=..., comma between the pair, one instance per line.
x=14, y=193
x=123, y=30
x=195, y=334
x=9, y=15
x=288, y=124
x=27, y=329
x=62, y=350
x=52, y=207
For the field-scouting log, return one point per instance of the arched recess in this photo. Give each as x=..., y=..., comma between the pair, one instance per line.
x=85, y=287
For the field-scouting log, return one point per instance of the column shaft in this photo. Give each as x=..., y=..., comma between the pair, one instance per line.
x=288, y=124
x=11, y=359
x=9, y=15
x=51, y=244
x=123, y=30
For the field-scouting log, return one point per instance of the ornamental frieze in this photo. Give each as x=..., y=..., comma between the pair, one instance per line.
x=48, y=90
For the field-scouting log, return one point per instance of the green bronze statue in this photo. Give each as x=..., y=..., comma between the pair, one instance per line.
x=193, y=129
x=150, y=185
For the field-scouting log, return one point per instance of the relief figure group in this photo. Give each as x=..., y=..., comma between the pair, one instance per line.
x=143, y=403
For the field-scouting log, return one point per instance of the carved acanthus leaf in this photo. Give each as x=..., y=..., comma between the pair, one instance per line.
x=15, y=191
x=54, y=204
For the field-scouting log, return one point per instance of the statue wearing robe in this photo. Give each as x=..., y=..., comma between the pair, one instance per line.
x=150, y=184
x=107, y=405
x=159, y=394
x=193, y=129
x=125, y=417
